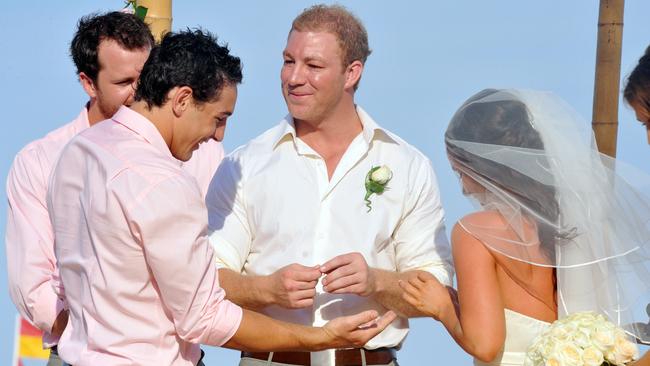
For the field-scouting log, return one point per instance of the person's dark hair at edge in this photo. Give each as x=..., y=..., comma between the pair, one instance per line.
x=637, y=87
x=129, y=31
x=190, y=58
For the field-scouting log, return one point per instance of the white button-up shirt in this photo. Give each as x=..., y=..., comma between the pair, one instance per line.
x=271, y=204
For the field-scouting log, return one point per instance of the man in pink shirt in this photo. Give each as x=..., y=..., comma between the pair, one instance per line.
x=131, y=227
x=109, y=51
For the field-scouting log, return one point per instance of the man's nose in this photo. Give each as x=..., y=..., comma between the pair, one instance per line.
x=218, y=136
x=219, y=133
x=297, y=75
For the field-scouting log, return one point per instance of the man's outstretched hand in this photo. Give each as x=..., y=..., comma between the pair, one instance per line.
x=356, y=330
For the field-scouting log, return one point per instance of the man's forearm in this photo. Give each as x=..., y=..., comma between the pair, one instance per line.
x=258, y=333
x=246, y=291
x=60, y=323
x=389, y=293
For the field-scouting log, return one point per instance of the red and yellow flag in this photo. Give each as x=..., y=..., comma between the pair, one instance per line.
x=28, y=343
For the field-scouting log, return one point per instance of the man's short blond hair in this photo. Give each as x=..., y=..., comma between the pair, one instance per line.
x=336, y=19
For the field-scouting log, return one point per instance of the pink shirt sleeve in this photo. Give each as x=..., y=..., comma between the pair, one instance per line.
x=31, y=264
x=171, y=224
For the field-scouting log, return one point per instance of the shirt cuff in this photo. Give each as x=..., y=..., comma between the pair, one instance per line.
x=50, y=340
x=226, y=323
x=220, y=264
x=441, y=273
x=46, y=310
x=224, y=253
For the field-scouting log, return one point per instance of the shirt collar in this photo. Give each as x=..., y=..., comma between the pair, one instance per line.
x=139, y=124
x=286, y=132
x=81, y=122
x=371, y=130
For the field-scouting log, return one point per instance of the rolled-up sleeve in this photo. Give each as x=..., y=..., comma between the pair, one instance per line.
x=29, y=240
x=230, y=231
x=170, y=221
x=420, y=239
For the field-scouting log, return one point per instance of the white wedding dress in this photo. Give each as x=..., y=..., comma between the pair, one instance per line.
x=521, y=330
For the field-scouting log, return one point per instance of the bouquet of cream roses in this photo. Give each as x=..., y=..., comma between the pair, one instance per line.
x=585, y=338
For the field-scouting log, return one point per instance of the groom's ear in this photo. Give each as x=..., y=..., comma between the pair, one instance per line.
x=353, y=74
x=180, y=97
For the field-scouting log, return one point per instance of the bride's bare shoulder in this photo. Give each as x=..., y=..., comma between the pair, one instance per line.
x=494, y=224
x=466, y=234
x=465, y=244
x=492, y=219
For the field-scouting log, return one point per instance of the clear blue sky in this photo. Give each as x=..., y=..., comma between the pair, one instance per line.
x=428, y=56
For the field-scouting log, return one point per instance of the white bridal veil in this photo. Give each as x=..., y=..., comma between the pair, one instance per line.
x=535, y=162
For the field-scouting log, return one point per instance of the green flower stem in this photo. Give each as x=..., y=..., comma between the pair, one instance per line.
x=366, y=198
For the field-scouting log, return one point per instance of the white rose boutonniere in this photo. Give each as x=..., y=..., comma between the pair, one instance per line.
x=376, y=181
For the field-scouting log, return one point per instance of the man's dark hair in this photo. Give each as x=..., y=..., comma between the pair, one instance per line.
x=190, y=58
x=129, y=31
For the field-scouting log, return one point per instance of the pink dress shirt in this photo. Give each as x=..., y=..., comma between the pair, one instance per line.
x=31, y=264
x=133, y=253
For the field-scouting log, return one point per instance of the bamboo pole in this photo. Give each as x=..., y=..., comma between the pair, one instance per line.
x=159, y=16
x=608, y=75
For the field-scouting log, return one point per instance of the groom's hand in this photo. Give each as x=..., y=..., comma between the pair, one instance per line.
x=294, y=286
x=348, y=274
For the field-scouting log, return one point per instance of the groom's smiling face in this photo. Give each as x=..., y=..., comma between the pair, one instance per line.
x=313, y=77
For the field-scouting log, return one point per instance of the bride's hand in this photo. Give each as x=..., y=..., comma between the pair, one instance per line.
x=425, y=293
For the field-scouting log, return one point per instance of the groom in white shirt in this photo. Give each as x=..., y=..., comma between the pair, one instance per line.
x=305, y=224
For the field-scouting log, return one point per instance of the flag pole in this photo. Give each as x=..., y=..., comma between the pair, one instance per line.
x=14, y=361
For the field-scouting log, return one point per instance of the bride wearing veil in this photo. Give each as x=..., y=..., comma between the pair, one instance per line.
x=558, y=229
